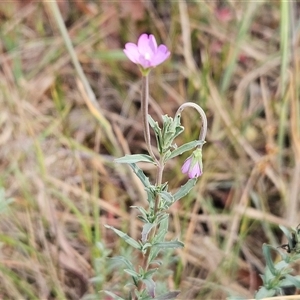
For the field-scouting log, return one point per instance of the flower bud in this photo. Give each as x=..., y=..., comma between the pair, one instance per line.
x=193, y=164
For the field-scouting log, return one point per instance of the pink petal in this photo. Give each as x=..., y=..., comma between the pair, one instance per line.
x=132, y=52
x=185, y=167
x=145, y=63
x=143, y=44
x=161, y=55
x=195, y=171
x=152, y=43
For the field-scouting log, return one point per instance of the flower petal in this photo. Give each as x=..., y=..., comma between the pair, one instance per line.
x=143, y=44
x=195, y=171
x=186, y=165
x=152, y=43
x=161, y=55
x=145, y=63
x=131, y=51
x=146, y=53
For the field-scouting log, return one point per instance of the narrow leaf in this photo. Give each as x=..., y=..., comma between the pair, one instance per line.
x=185, y=189
x=185, y=147
x=167, y=197
x=125, y=237
x=140, y=174
x=142, y=211
x=163, y=227
x=132, y=273
x=294, y=280
x=171, y=244
x=155, y=250
x=150, y=286
x=281, y=265
x=268, y=257
x=287, y=233
x=168, y=296
x=159, y=237
x=157, y=132
x=149, y=273
x=264, y=293
x=134, y=158
x=114, y=296
x=146, y=229
x=123, y=260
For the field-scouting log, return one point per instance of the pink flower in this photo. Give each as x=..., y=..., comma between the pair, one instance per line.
x=224, y=14
x=193, y=164
x=146, y=53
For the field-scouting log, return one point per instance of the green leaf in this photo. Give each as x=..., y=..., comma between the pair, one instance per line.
x=268, y=257
x=167, y=245
x=124, y=260
x=150, y=286
x=268, y=277
x=281, y=265
x=114, y=296
x=140, y=174
x=144, y=216
x=157, y=262
x=293, y=280
x=179, y=129
x=185, y=189
x=150, y=273
x=145, y=247
x=163, y=221
x=132, y=273
x=171, y=129
x=151, y=196
x=185, y=147
x=168, y=296
x=285, y=230
x=264, y=293
x=134, y=158
x=159, y=237
x=142, y=295
x=125, y=237
x=287, y=233
x=167, y=198
x=146, y=229
x=157, y=132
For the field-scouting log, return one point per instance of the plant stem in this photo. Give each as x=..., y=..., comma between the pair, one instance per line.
x=160, y=169
x=203, y=130
x=159, y=164
x=144, y=107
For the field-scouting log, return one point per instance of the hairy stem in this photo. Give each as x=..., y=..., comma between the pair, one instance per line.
x=159, y=165
x=203, y=130
x=144, y=107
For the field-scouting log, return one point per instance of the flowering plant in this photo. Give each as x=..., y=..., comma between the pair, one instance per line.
x=148, y=55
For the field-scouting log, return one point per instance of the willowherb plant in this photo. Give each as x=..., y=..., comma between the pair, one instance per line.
x=147, y=55
x=278, y=276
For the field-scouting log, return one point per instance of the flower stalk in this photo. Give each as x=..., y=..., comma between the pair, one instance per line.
x=144, y=108
x=202, y=114
x=193, y=165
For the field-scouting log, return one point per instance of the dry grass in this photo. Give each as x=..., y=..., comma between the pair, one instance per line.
x=56, y=158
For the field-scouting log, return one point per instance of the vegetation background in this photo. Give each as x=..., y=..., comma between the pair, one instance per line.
x=238, y=59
